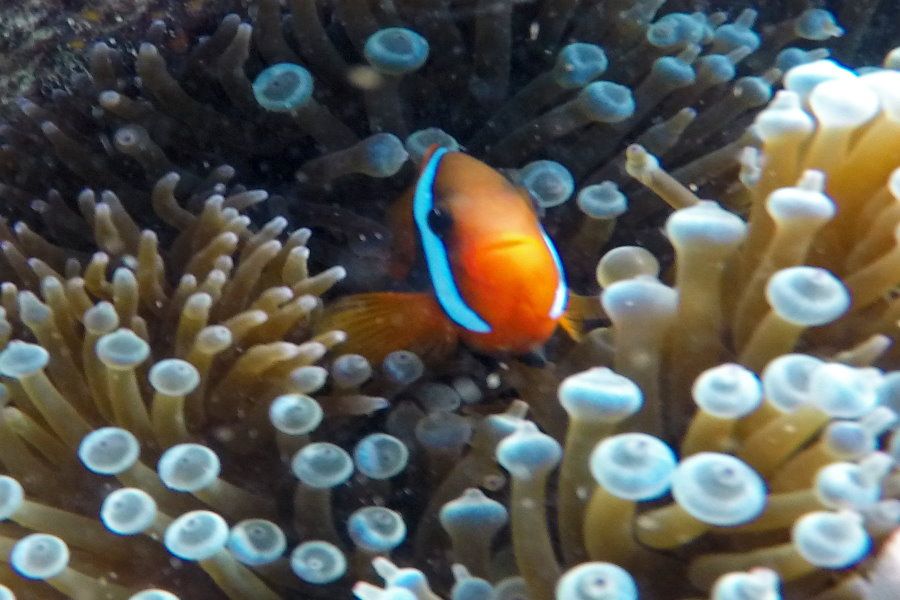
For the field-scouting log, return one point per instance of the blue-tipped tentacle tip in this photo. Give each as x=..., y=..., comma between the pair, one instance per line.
x=528, y=452
x=848, y=439
x=376, y=529
x=673, y=72
x=499, y=426
x=716, y=68
x=12, y=495
x=256, y=542
x=443, y=430
x=844, y=392
x=549, y=182
x=418, y=142
x=880, y=420
x=396, y=577
x=437, y=397
x=473, y=510
x=754, y=90
x=631, y=300
x=718, y=489
x=318, y=562
x=804, y=203
x=676, y=30
x=322, y=465
x=122, y=349
x=196, y=535
x=831, y=540
x=817, y=24
x=396, y=50
x=283, y=87
x=380, y=456
x=20, y=359
x=174, y=377
x=599, y=394
x=791, y=57
x=128, y=511
x=308, y=379
x=602, y=200
x=578, y=64
x=627, y=262
x=468, y=587
x=364, y=590
x=606, y=102
x=728, y=391
x=803, y=79
x=188, y=467
x=109, y=450
x=295, y=414
x=402, y=367
x=758, y=583
x=350, y=370
x=472, y=588
x=596, y=580
x=384, y=154
x=154, y=594
x=730, y=36
x=807, y=296
x=889, y=391
x=633, y=466
x=786, y=379
x=705, y=223
x=846, y=485
x=39, y=556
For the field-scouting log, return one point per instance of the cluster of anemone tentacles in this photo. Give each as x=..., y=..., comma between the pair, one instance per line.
x=725, y=433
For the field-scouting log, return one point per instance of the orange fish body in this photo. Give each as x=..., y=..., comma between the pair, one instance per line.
x=502, y=261
x=497, y=283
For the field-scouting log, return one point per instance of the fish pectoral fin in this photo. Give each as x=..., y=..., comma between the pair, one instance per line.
x=379, y=323
x=579, y=310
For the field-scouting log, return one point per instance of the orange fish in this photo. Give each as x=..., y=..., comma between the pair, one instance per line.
x=496, y=280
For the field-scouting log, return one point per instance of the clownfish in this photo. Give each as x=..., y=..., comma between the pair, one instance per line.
x=496, y=282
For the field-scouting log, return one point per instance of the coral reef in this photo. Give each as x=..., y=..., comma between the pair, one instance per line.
x=173, y=424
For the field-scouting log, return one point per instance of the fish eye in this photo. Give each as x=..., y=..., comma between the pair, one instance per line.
x=439, y=221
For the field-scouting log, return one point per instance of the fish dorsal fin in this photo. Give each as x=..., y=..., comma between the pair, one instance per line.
x=436, y=257
x=579, y=310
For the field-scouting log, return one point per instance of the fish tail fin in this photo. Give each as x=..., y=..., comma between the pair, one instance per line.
x=579, y=310
x=379, y=323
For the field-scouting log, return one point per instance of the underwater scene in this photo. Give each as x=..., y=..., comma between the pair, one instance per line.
x=450, y=299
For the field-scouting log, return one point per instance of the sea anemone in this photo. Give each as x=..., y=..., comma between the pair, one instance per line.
x=172, y=420
x=129, y=368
